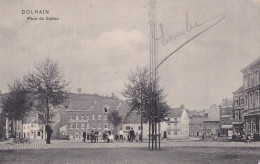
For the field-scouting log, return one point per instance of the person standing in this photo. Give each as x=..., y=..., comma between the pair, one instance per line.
x=48, y=131
x=92, y=135
x=121, y=133
x=84, y=136
x=96, y=136
x=132, y=134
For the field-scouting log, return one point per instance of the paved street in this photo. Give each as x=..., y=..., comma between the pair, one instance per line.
x=64, y=144
x=116, y=154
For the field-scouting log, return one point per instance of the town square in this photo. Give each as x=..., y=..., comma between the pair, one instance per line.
x=133, y=81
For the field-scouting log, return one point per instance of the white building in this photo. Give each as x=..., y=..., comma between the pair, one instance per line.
x=32, y=128
x=133, y=120
x=176, y=124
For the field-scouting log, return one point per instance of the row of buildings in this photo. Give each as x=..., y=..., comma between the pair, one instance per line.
x=240, y=114
x=86, y=112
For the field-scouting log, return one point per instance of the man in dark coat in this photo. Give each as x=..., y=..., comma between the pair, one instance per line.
x=132, y=134
x=48, y=131
x=84, y=136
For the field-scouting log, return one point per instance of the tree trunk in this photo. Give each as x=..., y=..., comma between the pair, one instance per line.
x=22, y=130
x=141, y=127
x=47, y=111
x=15, y=128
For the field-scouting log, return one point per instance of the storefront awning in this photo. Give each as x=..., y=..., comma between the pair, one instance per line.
x=226, y=126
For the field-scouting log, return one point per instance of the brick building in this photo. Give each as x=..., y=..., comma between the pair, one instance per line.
x=212, y=121
x=226, y=117
x=89, y=113
x=251, y=101
x=238, y=109
x=196, y=126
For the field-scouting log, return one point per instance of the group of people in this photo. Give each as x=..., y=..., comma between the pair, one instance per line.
x=108, y=136
x=93, y=136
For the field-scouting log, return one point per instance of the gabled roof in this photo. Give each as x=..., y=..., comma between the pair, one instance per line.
x=132, y=118
x=95, y=105
x=83, y=97
x=175, y=112
x=196, y=120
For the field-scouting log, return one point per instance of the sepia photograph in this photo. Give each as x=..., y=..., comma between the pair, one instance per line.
x=130, y=82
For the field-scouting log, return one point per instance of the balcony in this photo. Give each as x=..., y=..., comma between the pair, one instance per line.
x=252, y=111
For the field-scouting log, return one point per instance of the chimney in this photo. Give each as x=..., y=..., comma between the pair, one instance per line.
x=182, y=106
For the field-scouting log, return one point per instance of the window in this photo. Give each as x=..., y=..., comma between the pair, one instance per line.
x=257, y=99
x=236, y=102
x=71, y=117
x=88, y=117
x=251, y=98
x=169, y=132
x=93, y=117
x=256, y=77
x=237, y=118
x=139, y=127
x=87, y=126
x=127, y=127
x=105, y=125
x=38, y=133
x=242, y=101
x=99, y=117
x=93, y=126
x=245, y=82
x=105, y=109
x=77, y=117
x=32, y=125
x=82, y=125
x=175, y=119
x=246, y=100
x=175, y=126
x=76, y=125
x=99, y=126
x=71, y=125
x=82, y=117
x=175, y=133
x=105, y=118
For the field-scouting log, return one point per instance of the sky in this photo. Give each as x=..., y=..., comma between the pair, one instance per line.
x=98, y=43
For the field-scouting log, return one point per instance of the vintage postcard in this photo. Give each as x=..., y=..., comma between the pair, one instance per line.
x=130, y=81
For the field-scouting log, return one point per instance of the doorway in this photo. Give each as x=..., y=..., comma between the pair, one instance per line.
x=164, y=134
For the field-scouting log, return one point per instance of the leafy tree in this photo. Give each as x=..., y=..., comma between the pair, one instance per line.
x=114, y=118
x=18, y=102
x=79, y=90
x=48, y=86
x=140, y=97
